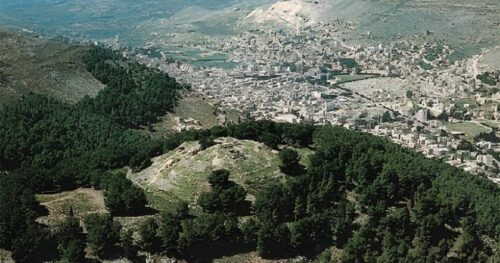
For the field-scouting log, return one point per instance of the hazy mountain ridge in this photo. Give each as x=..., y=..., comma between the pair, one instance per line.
x=464, y=24
x=461, y=23
x=99, y=20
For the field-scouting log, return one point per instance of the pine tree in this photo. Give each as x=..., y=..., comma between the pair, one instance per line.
x=70, y=239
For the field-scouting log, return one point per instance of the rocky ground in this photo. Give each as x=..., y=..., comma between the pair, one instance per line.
x=182, y=173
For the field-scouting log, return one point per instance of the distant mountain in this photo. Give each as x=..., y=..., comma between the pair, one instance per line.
x=98, y=20
x=468, y=25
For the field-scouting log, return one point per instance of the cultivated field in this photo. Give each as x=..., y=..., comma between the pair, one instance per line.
x=471, y=129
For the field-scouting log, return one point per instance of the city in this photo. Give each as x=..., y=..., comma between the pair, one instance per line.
x=407, y=91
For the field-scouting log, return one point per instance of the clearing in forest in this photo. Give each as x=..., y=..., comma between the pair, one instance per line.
x=182, y=174
x=84, y=201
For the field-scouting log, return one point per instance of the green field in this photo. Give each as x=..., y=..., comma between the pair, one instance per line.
x=470, y=101
x=304, y=155
x=491, y=124
x=470, y=129
x=83, y=201
x=351, y=78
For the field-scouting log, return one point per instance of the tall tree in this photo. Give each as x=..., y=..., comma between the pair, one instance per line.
x=103, y=233
x=149, y=235
x=70, y=239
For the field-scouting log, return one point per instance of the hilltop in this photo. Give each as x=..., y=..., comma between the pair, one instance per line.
x=182, y=173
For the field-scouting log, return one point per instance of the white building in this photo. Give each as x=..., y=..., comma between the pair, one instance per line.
x=421, y=115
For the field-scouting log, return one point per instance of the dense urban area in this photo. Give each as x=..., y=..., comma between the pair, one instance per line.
x=408, y=91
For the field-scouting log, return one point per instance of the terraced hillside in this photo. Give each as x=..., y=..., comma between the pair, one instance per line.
x=31, y=64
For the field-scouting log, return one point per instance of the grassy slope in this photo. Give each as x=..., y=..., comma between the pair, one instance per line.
x=30, y=64
x=251, y=257
x=84, y=201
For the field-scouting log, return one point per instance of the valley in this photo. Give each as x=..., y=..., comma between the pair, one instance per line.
x=313, y=76
x=249, y=131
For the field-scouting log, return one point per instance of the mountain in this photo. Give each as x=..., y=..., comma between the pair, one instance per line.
x=100, y=20
x=104, y=155
x=467, y=25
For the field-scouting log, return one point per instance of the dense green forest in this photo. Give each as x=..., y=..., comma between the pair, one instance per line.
x=365, y=195
x=48, y=145
x=370, y=199
x=62, y=145
x=135, y=95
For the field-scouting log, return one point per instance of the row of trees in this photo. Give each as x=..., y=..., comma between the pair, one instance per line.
x=488, y=136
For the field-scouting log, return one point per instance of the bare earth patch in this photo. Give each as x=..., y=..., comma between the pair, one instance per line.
x=84, y=201
x=5, y=256
x=251, y=257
